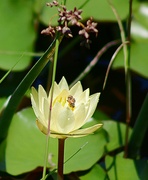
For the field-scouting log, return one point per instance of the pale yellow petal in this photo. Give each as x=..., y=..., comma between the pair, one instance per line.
x=86, y=131
x=62, y=119
x=84, y=97
x=34, y=106
x=41, y=95
x=62, y=97
x=63, y=84
x=46, y=111
x=80, y=115
x=78, y=133
x=59, y=136
x=92, y=105
x=56, y=91
x=41, y=116
x=76, y=90
x=42, y=128
x=34, y=96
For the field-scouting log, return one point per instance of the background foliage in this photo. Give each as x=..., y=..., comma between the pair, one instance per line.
x=21, y=151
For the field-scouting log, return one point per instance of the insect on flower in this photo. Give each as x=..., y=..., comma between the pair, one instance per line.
x=71, y=100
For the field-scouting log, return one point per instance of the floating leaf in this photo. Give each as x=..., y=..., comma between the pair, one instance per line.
x=17, y=33
x=25, y=147
x=139, y=62
x=116, y=134
x=121, y=168
x=95, y=173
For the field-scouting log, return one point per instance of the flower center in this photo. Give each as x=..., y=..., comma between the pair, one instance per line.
x=65, y=100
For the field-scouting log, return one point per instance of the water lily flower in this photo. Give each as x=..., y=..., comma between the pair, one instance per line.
x=71, y=109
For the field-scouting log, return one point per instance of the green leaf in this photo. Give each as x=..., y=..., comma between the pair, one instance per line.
x=126, y=169
x=140, y=13
x=95, y=173
x=139, y=62
x=7, y=114
x=116, y=134
x=25, y=147
x=2, y=103
x=139, y=131
x=139, y=32
x=17, y=33
x=99, y=10
x=139, y=28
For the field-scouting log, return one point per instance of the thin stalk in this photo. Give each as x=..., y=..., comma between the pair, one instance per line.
x=110, y=63
x=122, y=33
x=126, y=51
x=8, y=72
x=61, y=143
x=11, y=53
x=50, y=109
x=94, y=61
x=128, y=84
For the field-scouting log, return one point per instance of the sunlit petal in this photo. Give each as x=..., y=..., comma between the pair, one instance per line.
x=84, y=97
x=34, y=96
x=92, y=104
x=56, y=91
x=80, y=115
x=62, y=119
x=76, y=90
x=70, y=109
x=42, y=94
x=63, y=84
x=46, y=111
x=86, y=131
x=42, y=128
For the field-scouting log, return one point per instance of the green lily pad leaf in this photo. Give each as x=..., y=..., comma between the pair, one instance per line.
x=25, y=147
x=99, y=10
x=139, y=32
x=121, y=168
x=139, y=62
x=140, y=13
x=139, y=27
x=17, y=33
x=95, y=173
x=116, y=134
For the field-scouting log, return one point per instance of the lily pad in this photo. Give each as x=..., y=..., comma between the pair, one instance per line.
x=126, y=169
x=139, y=62
x=17, y=33
x=116, y=134
x=25, y=147
x=95, y=173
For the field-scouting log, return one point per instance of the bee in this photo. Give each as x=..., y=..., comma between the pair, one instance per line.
x=71, y=100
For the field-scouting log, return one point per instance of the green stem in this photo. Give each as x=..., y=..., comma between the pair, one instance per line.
x=128, y=84
x=94, y=61
x=126, y=51
x=61, y=143
x=50, y=109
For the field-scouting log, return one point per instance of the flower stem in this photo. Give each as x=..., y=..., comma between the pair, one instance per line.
x=60, y=158
x=48, y=135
